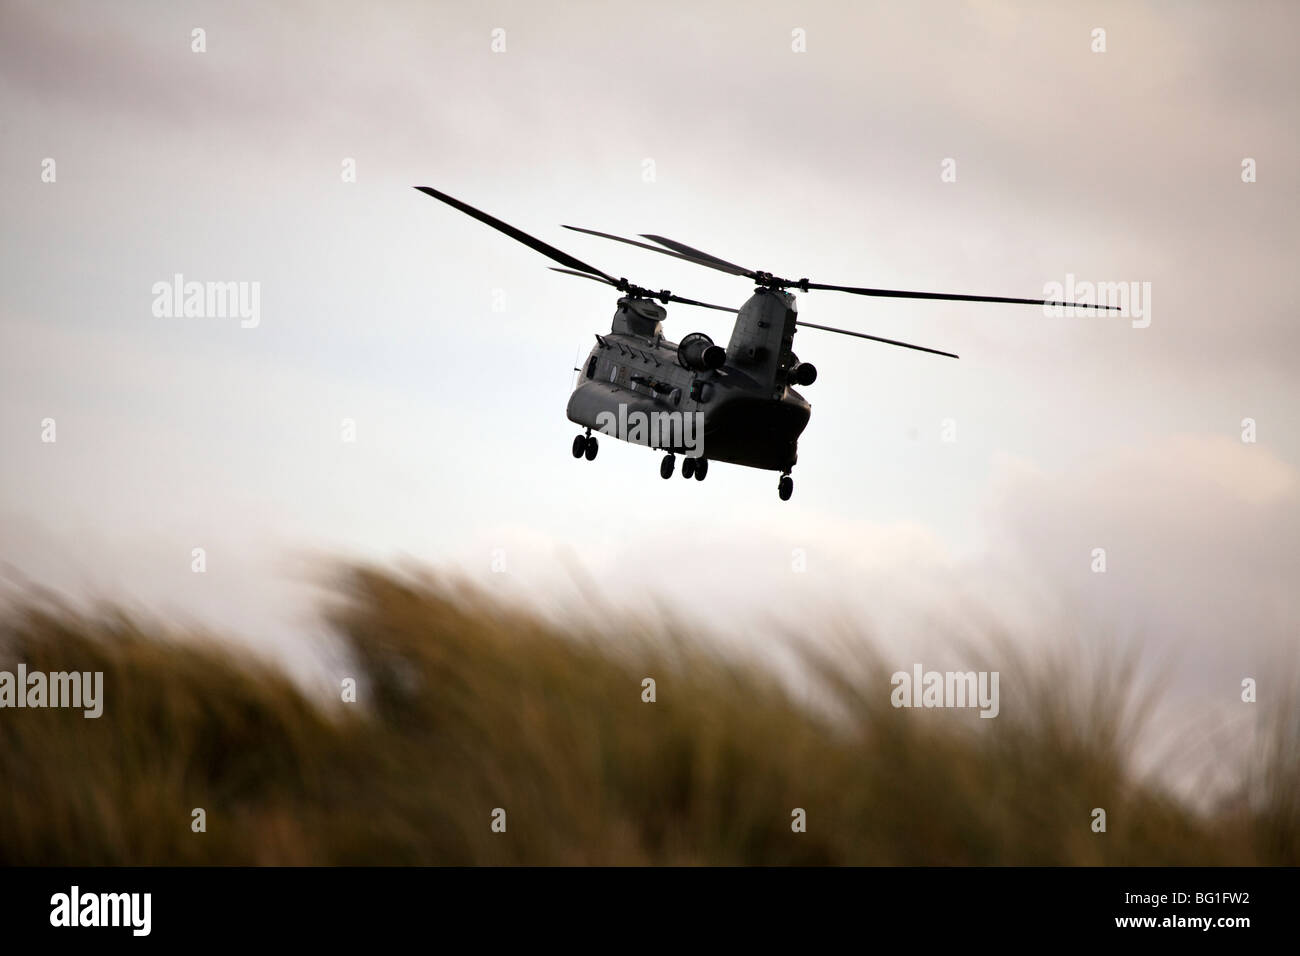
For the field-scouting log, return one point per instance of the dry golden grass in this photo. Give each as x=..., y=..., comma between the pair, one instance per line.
x=467, y=705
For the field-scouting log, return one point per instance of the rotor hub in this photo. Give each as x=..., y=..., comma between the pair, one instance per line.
x=767, y=280
x=638, y=292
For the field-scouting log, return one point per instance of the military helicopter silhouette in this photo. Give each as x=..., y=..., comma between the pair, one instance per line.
x=742, y=398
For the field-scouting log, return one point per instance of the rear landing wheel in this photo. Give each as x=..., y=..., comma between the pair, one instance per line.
x=701, y=469
x=579, y=446
x=666, y=466
x=786, y=487
x=688, y=467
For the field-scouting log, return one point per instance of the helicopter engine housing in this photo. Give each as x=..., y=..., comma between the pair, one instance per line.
x=804, y=373
x=698, y=353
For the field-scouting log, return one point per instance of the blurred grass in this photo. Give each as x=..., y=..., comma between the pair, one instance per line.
x=466, y=705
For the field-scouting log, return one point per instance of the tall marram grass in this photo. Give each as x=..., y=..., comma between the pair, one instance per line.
x=467, y=705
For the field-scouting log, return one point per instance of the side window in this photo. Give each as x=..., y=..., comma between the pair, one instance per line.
x=591, y=367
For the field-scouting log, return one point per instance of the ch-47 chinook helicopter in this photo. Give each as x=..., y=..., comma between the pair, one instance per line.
x=743, y=396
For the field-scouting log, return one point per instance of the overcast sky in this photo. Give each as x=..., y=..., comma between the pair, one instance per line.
x=377, y=304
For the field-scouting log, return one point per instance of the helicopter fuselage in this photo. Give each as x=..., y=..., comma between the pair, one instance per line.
x=638, y=387
x=735, y=405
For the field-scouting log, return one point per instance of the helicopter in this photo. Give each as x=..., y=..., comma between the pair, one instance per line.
x=695, y=398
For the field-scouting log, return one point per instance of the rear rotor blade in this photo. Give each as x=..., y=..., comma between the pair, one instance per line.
x=583, y=275
x=682, y=251
x=703, y=258
x=900, y=294
x=563, y=258
x=632, y=242
x=876, y=338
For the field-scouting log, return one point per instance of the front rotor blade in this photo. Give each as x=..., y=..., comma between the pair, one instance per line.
x=876, y=338
x=563, y=258
x=671, y=298
x=703, y=258
x=899, y=294
x=703, y=305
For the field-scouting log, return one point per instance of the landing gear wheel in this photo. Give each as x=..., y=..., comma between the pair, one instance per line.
x=786, y=487
x=579, y=446
x=666, y=466
x=701, y=469
x=592, y=447
x=688, y=467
